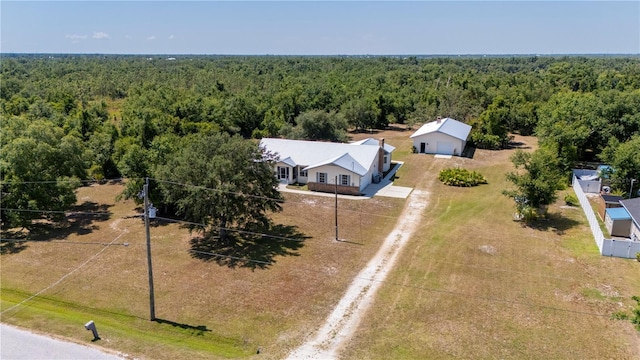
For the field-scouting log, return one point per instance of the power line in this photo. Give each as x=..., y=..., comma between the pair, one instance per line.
x=231, y=257
x=64, y=276
x=232, y=229
x=62, y=242
x=486, y=298
x=69, y=212
x=316, y=271
x=265, y=197
x=485, y=268
x=218, y=190
x=281, y=201
x=18, y=182
x=285, y=238
x=228, y=229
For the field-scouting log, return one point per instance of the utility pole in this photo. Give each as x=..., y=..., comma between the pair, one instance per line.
x=336, y=192
x=152, y=306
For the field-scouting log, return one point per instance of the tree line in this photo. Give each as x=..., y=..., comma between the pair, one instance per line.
x=67, y=117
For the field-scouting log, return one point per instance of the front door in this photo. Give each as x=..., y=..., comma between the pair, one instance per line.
x=422, y=148
x=283, y=173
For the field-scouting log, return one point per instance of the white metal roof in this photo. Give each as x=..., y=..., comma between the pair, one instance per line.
x=447, y=126
x=289, y=161
x=315, y=153
x=371, y=141
x=344, y=161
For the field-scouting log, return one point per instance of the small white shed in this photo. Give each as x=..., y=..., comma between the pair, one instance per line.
x=444, y=136
x=618, y=222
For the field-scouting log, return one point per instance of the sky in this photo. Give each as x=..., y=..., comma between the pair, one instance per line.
x=321, y=27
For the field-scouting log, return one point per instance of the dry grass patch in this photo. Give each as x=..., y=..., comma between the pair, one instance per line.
x=206, y=308
x=471, y=284
x=474, y=284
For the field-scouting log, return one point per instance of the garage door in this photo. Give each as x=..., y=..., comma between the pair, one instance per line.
x=444, y=148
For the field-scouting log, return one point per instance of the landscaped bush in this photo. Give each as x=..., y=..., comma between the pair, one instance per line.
x=571, y=200
x=461, y=177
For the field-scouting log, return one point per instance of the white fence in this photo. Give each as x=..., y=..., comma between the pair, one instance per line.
x=620, y=248
x=608, y=247
x=588, y=186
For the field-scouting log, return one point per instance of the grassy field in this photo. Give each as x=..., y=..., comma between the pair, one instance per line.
x=207, y=306
x=472, y=283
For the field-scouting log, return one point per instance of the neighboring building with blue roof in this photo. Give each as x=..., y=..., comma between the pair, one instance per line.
x=618, y=221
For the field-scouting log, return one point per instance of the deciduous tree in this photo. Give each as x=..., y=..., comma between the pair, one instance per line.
x=221, y=181
x=537, y=180
x=40, y=168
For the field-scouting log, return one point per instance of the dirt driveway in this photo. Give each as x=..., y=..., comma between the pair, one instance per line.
x=338, y=328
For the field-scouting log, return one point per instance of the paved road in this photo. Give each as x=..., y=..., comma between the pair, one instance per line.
x=16, y=344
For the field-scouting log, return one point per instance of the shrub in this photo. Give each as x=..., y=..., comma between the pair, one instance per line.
x=571, y=200
x=619, y=192
x=486, y=141
x=461, y=177
x=638, y=256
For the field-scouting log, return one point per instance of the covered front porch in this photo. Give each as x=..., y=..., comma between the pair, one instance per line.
x=291, y=174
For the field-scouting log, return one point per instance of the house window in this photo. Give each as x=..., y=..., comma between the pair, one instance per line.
x=321, y=177
x=303, y=173
x=385, y=159
x=345, y=180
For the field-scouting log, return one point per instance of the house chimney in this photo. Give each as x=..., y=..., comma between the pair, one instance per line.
x=381, y=155
x=439, y=119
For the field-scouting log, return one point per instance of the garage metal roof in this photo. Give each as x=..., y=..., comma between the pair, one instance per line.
x=447, y=126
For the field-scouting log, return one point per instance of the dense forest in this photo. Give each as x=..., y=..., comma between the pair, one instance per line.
x=94, y=117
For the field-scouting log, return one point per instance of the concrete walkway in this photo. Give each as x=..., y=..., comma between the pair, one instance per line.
x=384, y=188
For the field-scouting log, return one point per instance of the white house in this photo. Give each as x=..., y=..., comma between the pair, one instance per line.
x=444, y=136
x=320, y=164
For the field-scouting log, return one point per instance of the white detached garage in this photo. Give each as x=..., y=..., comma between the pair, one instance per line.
x=444, y=136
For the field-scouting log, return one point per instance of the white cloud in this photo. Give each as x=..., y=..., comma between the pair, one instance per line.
x=151, y=38
x=76, y=37
x=171, y=37
x=101, y=35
